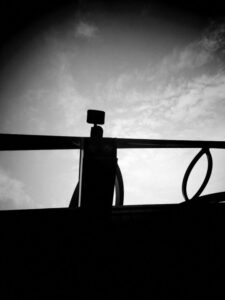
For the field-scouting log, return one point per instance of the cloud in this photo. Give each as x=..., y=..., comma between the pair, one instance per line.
x=199, y=100
x=181, y=96
x=184, y=61
x=166, y=108
x=214, y=37
x=86, y=30
x=12, y=193
x=204, y=55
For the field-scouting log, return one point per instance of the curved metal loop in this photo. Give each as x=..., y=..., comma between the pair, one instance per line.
x=119, y=187
x=189, y=169
x=119, y=191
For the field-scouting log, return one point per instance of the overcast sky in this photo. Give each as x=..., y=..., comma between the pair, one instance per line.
x=156, y=72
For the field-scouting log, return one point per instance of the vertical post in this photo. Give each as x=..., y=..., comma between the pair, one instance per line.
x=98, y=164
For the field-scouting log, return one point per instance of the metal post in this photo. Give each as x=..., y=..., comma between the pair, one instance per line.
x=98, y=163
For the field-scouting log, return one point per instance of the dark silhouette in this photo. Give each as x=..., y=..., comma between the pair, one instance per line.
x=96, y=249
x=98, y=171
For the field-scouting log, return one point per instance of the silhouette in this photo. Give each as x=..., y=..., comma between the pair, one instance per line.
x=96, y=249
x=98, y=171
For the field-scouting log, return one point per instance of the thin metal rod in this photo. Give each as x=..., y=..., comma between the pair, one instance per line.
x=145, y=143
x=38, y=142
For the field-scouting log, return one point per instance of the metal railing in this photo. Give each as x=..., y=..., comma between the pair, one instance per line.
x=106, y=154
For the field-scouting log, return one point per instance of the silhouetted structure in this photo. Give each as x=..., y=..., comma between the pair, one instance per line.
x=98, y=172
x=95, y=249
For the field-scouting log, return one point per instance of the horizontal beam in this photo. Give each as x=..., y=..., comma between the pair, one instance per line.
x=38, y=142
x=45, y=142
x=145, y=143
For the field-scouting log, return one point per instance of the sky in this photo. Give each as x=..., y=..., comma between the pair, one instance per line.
x=157, y=72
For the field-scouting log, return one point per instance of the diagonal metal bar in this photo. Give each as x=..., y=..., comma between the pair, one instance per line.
x=146, y=143
x=38, y=142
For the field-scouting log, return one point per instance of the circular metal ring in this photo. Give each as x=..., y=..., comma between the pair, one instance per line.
x=189, y=169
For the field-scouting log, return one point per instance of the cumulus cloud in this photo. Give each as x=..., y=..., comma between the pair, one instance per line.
x=12, y=193
x=86, y=30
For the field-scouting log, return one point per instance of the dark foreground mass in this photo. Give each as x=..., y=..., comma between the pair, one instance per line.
x=170, y=250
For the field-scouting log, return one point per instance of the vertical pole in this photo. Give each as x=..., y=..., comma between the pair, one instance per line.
x=98, y=163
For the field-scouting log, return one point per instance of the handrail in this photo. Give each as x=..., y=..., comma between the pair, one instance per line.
x=14, y=142
x=156, y=143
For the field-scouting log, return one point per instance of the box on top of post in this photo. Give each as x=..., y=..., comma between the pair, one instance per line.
x=95, y=117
